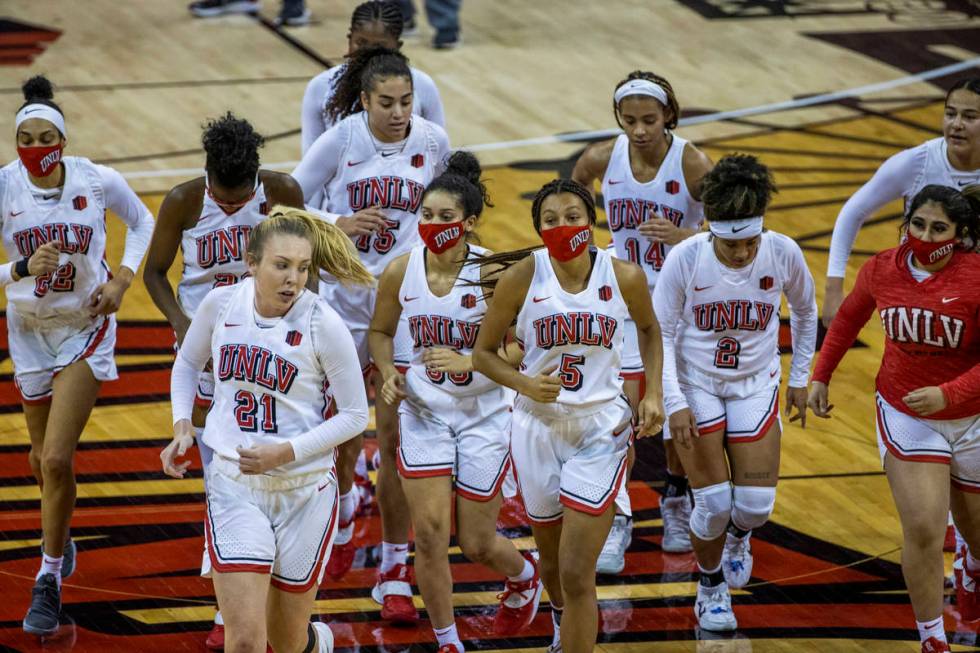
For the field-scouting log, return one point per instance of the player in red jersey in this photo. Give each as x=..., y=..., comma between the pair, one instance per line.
x=927, y=294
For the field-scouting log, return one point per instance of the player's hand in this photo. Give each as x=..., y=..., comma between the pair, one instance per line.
x=542, y=388
x=818, y=400
x=180, y=326
x=683, y=427
x=364, y=222
x=926, y=401
x=44, y=260
x=663, y=230
x=443, y=359
x=107, y=298
x=183, y=440
x=796, y=397
x=260, y=459
x=393, y=390
x=833, y=297
x=650, y=413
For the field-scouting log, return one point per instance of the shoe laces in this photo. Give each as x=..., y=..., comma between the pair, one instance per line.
x=46, y=592
x=517, y=594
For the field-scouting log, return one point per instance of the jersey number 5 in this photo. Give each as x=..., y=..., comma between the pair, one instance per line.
x=381, y=241
x=726, y=353
x=247, y=408
x=570, y=371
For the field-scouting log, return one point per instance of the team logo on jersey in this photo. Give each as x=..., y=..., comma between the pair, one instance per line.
x=257, y=365
x=673, y=187
x=74, y=238
x=417, y=160
x=766, y=283
x=577, y=328
x=468, y=301
x=386, y=192
x=293, y=338
x=79, y=203
x=605, y=293
x=921, y=326
x=264, y=208
x=631, y=212
x=432, y=330
x=733, y=314
x=222, y=246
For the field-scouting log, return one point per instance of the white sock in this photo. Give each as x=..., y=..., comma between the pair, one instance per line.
x=391, y=555
x=348, y=505
x=932, y=628
x=448, y=635
x=50, y=565
x=218, y=619
x=526, y=574
x=972, y=564
x=360, y=467
x=556, y=624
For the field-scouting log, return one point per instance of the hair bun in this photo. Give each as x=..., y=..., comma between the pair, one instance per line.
x=465, y=165
x=38, y=88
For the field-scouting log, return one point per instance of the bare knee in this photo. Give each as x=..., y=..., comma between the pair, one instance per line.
x=246, y=638
x=57, y=466
x=431, y=535
x=922, y=537
x=477, y=546
x=34, y=458
x=577, y=579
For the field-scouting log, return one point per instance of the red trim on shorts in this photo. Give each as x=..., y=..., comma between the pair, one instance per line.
x=893, y=450
x=327, y=542
x=593, y=510
x=758, y=435
x=202, y=402
x=99, y=337
x=632, y=376
x=402, y=369
x=711, y=428
x=425, y=473
x=517, y=480
x=499, y=483
x=963, y=487
x=219, y=566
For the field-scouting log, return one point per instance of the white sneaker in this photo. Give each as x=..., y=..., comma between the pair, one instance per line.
x=554, y=648
x=325, y=637
x=736, y=560
x=612, y=559
x=713, y=608
x=676, y=512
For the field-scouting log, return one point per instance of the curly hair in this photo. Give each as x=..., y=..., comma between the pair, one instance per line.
x=39, y=90
x=738, y=187
x=361, y=73
x=231, y=147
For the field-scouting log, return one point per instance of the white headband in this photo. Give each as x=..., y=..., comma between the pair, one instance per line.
x=44, y=112
x=641, y=87
x=736, y=229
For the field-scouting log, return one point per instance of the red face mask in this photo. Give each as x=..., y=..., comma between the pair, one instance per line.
x=928, y=253
x=440, y=236
x=565, y=243
x=41, y=160
x=230, y=207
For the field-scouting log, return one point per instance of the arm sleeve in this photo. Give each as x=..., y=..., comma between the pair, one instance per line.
x=193, y=356
x=330, y=218
x=850, y=319
x=668, y=303
x=889, y=183
x=803, y=316
x=338, y=357
x=6, y=274
x=321, y=161
x=311, y=114
x=428, y=96
x=139, y=221
x=964, y=388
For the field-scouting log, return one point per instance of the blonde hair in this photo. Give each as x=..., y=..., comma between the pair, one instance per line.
x=333, y=251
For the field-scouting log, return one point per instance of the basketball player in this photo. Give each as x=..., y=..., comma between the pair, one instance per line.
x=271, y=490
x=718, y=298
x=210, y=219
x=61, y=300
x=378, y=155
x=651, y=186
x=454, y=422
x=927, y=292
x=571, y=425
x=950, y=160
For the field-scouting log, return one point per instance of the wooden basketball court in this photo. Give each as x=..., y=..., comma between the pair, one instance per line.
x=136, y=81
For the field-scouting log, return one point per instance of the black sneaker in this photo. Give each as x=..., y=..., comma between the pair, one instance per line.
x=446, y=41
x=68, y=563
x=295, y=18
x=410, y=29
x=42, y=616
x=212, y=8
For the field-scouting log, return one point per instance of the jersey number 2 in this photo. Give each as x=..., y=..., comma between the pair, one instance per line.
x=247, y=408
x=726, y=353
x=61, y=280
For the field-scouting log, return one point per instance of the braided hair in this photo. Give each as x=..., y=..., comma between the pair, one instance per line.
x=386, y=12
x=738, y=187
x=365, y=68
x=231, y=149
x=670, y=122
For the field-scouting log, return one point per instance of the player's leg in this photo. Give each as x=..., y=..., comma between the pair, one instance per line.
x=965, y=504
x=243, y=596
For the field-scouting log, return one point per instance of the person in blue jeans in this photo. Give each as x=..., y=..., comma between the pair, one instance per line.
x=443, y=15
x=293, y=13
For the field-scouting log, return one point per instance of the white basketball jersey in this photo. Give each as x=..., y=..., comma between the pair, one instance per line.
x=451, y=321
x=937, y=170
x=729, y=326
x=269, y=383
x=393, y=183
x=630, y=203
x=214, y=249
x=579, y=334
x=77, y=220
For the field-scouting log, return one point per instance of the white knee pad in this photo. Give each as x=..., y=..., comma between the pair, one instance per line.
x=753, y=505
x=712, y=510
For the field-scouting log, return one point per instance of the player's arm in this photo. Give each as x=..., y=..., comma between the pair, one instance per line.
x=591, y=165
x=633, y=285
x=695, y=164
x=282, y=189
x=803, y=319
x=180, y=203
x=384, y=324
x=311, y=120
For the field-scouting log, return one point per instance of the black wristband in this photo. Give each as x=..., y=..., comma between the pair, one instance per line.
x=21, y=268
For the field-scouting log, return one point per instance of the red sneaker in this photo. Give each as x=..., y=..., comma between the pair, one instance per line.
x=216, y=638
x=342, y=555
x=394, y=592
x=452, y=648
x=518, y=603
x=933, y=645
x=966, y=591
